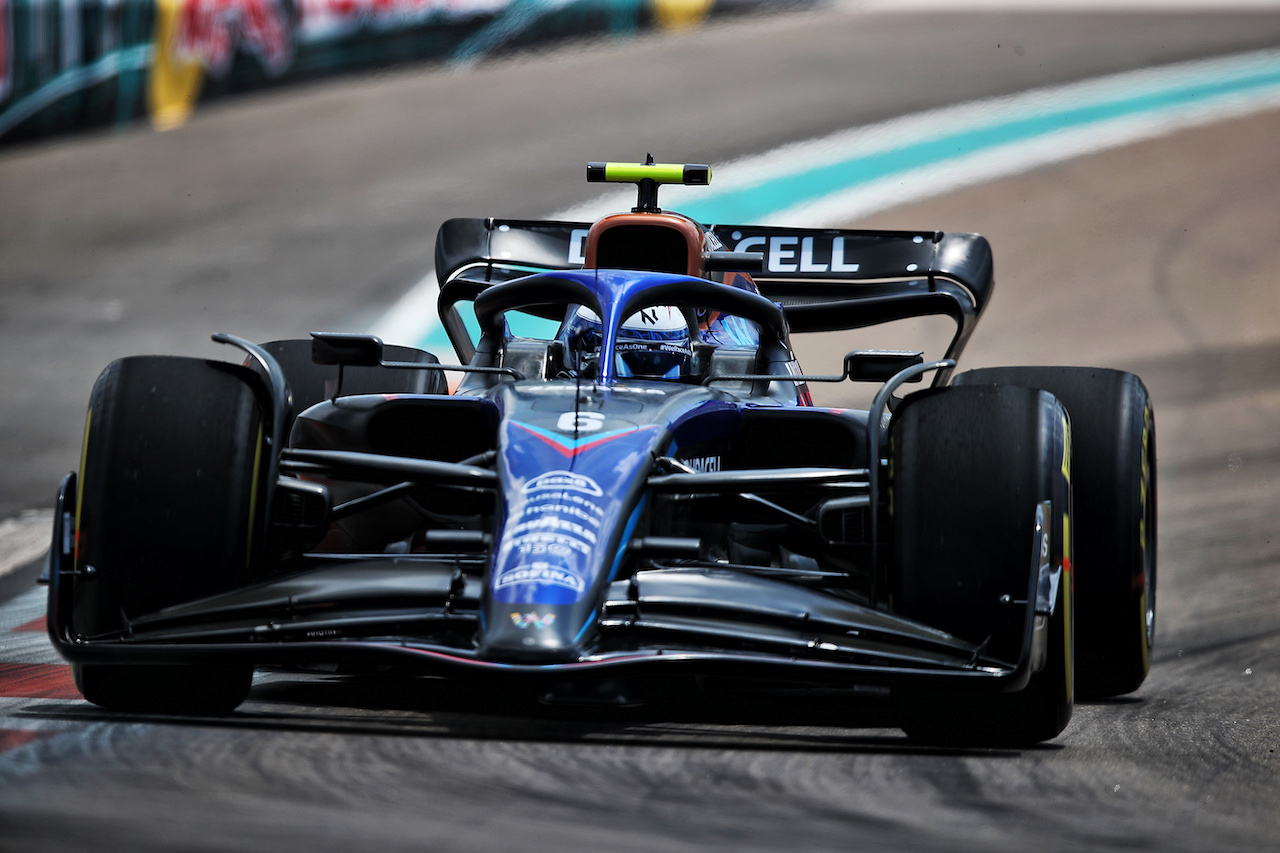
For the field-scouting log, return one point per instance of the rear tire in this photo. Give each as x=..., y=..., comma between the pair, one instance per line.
x=1114, y=477
x=969, y=468
x=170, y=510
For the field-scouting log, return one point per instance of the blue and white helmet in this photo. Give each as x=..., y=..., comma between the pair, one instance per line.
x=653, y=343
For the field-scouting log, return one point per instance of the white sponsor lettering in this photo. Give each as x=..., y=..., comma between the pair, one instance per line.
x=537, y=543
x=703, y=464
x=565, y=509
x=837, y=257
x=792, y=253
x=779, y=251
x=564, y=480
x=553, y=523
x=806, y=257
x=540, y=573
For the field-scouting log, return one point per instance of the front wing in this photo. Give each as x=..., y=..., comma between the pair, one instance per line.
x=418, y=613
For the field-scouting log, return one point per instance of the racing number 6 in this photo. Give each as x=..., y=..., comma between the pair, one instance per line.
x=580, y=422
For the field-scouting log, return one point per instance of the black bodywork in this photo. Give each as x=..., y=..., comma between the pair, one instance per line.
x=722, y=525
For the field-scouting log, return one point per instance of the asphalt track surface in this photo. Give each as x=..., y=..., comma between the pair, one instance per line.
x=314, y=208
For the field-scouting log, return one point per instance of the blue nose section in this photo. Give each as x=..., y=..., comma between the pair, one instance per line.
x=573, y=493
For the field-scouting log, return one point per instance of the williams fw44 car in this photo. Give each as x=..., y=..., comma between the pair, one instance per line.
x=641, y=491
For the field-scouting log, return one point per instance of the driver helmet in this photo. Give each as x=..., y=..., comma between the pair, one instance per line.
x=653, y=343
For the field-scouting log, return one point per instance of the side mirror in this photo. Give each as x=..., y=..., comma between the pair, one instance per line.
x=878, y=365
x=346, y=350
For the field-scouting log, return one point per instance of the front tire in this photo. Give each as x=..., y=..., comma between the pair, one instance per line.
x=972, y=471
x=170, y=509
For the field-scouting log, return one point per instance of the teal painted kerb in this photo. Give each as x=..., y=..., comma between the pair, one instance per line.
x=757, y=203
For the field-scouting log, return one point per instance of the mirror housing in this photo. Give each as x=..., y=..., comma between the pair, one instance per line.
x=878, y=365
x=346, y=350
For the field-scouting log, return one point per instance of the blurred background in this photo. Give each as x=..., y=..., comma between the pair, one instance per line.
x=174, y=168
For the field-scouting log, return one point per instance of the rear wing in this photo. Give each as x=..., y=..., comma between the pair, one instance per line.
x=825, y=279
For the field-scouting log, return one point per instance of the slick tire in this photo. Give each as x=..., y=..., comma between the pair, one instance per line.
x=1114, y=479
x=971, y=470
x=310, y=383
x=170, y=506
x=164, y=689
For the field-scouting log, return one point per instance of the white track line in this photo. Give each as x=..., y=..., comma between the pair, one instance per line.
x=24, y=538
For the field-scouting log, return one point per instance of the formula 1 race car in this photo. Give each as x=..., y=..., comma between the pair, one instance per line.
x=644, y=492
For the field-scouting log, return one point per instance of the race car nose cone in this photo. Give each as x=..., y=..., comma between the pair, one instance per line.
x=529, y=634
